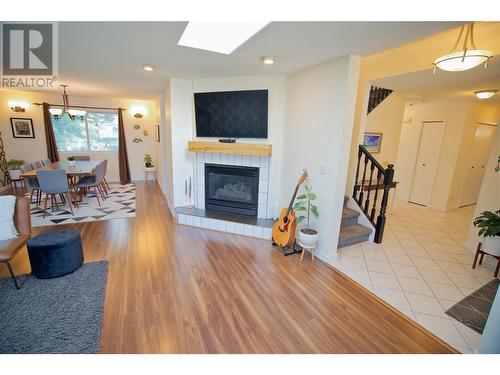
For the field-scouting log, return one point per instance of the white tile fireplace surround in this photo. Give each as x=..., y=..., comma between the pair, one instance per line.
x=261, y=227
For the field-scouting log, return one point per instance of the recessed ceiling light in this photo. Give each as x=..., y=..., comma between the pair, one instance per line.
x=485, y=94
x=148, y=67
x=222, y=37
x=268, y=60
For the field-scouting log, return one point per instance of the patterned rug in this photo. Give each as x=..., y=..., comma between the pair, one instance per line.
x=120, y=204
x=474, y=309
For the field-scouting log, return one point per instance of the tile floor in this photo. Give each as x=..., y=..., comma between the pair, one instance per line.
x=421, y=268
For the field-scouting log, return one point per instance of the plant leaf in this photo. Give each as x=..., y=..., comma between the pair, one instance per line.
x=300, y=219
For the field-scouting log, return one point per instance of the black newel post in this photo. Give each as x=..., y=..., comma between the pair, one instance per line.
x=379, y=229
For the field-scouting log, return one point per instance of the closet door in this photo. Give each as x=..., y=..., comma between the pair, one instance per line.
x=480, y=152
x=429, y=150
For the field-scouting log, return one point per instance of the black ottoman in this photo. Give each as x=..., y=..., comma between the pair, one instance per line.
x=54, y=254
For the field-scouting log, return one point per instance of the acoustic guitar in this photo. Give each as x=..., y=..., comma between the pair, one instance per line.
x=284, y=228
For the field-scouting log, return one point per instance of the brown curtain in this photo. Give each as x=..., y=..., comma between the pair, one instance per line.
x=52, y=153
x=122, y=151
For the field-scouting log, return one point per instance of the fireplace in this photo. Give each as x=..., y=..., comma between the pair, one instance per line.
x=232, y=189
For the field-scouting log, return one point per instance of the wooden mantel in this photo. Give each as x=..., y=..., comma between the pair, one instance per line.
x=231, y=148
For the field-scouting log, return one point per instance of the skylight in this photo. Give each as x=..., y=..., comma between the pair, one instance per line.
x=221, y=37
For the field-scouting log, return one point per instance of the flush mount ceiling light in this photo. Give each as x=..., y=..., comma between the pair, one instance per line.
x=148, y=67
x=469, y=57
x=221, y=37
x=268, y=60
x=485, y=94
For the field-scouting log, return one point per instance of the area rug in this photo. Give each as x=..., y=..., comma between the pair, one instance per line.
x=119, y=204
x=474, y=309
x=61, y=315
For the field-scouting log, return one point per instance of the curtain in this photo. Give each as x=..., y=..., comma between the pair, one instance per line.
x=52, y=153
x=122, y=151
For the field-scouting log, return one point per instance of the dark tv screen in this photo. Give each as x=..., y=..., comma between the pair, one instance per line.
x=231, y=114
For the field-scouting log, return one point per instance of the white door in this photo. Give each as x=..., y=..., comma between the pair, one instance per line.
x=429, y=150
x=480, y=152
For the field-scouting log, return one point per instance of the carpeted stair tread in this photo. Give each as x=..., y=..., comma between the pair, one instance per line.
x=347, y=213
x=352, y=234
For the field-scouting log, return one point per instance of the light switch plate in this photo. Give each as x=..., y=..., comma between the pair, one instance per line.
x=322, y=169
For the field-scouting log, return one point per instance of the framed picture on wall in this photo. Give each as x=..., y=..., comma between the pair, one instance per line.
x=372, y=142
x=22, y=127
x=157, y=133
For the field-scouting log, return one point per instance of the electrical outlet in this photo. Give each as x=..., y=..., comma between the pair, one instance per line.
x=322, y=169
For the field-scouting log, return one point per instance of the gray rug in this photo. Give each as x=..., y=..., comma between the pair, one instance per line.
x=474, y=309
x=61, y=315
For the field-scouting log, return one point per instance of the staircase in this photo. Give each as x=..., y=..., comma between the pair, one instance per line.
x=351, y=232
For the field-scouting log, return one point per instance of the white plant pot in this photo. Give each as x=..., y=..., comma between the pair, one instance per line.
x=491, y=245
x=308, y=240
x=15, y=174
x=71, y=163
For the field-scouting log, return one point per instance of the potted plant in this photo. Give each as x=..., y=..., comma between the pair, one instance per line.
x=304, y=204
x=489, y=228
x=148, y=160
x=13, y=166
x=71, y=161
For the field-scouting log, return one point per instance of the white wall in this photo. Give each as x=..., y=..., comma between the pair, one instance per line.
x=387, y=118
x=319, y=117
x=453, y=113
x=489, y=195
x=36, y=149
x=460, y=118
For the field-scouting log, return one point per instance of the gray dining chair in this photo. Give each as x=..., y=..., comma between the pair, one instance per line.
x=31, y=184
x=93, y=182
x=46, y=162
x=37, y=164
x=54, y=182
x=82, y=157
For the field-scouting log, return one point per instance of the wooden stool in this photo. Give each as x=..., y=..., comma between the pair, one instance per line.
x=304, y=247
x=482, y=253
x=149, y=170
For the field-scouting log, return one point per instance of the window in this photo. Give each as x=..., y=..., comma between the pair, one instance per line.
x=98, y=131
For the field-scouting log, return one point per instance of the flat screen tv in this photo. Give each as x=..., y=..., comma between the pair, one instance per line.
x=231, y=114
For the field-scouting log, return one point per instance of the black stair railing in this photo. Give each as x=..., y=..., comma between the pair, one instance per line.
x=374, y=177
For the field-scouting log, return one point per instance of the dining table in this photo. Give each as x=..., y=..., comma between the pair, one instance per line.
x=80, y=169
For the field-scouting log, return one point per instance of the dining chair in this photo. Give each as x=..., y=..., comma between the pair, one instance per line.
x=46, y=162
x=32, y=184
x=82, y=157
x=9, y=248
x=37, y=164
x=105, y=172
x=54, y=182
x=93, y=182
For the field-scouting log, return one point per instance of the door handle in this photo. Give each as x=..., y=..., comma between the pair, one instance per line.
x=423, y=164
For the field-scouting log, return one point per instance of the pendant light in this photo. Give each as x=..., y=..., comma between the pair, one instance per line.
x=469, y=57
x=72, y=113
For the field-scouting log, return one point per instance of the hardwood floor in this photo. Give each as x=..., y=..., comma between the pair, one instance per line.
x=178, y=289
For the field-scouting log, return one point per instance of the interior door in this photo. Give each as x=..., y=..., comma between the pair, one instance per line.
x=429, y=150
x=480, y=152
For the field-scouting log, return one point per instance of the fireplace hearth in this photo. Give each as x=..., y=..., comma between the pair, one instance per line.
x=233, y=189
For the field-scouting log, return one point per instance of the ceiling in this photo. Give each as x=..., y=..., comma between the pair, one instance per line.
x=423, y=85
x=105, y=58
